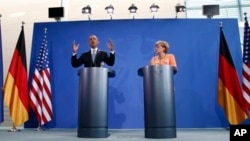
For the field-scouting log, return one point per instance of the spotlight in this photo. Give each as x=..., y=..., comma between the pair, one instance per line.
x=180, y=8
x=86, y=10
x=154, y=8
x=109, y=9
x=132, y=8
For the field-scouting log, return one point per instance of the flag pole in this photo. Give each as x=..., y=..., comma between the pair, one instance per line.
x=221, y=25
x=245, y=14
x=245, y=17
x=23, y=24
x=246, y=27
x=39, y=128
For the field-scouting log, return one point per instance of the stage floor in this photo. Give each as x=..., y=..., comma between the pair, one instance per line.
x=185, y=134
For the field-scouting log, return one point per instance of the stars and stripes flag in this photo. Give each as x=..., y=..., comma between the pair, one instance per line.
x=40, y=91
x=246, y=63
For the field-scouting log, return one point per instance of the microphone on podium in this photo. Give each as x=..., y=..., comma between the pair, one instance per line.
x=102, y=64
x=154, y=56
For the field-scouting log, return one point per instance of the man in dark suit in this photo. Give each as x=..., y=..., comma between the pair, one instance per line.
x=94, y=57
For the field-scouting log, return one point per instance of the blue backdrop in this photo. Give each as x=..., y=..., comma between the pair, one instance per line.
x=194, y=42
x=1, y=78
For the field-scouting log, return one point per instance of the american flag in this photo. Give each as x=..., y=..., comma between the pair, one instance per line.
x=246, y=63
x=40, y=91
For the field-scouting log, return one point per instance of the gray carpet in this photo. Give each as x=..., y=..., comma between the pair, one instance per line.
x=115, y=135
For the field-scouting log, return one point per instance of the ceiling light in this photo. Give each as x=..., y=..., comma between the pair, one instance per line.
x=132, y=8
x=86, y=10
x=180, y=8
x=154, y=8
x=109, y=9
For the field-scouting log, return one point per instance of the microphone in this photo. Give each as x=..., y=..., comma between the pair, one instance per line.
x=94, y=59
x=102, y=64
x=97, y=52
x=154, y=56
x=94, y=62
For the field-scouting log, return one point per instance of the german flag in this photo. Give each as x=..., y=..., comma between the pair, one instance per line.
x=229, y=89
x=16, y=84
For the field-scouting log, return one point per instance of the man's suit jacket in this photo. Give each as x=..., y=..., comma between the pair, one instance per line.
x=86, y=59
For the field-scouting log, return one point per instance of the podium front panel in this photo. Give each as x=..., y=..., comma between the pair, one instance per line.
x=92, y=107
x=159, y=101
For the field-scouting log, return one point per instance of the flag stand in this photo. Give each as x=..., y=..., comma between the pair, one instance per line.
x=39, y=128
x=14, y=129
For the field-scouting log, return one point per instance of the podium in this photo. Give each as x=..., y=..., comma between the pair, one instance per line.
x=159, y=101
x=92, y=104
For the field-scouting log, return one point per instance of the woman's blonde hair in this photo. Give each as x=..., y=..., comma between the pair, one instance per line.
x=164, y=44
